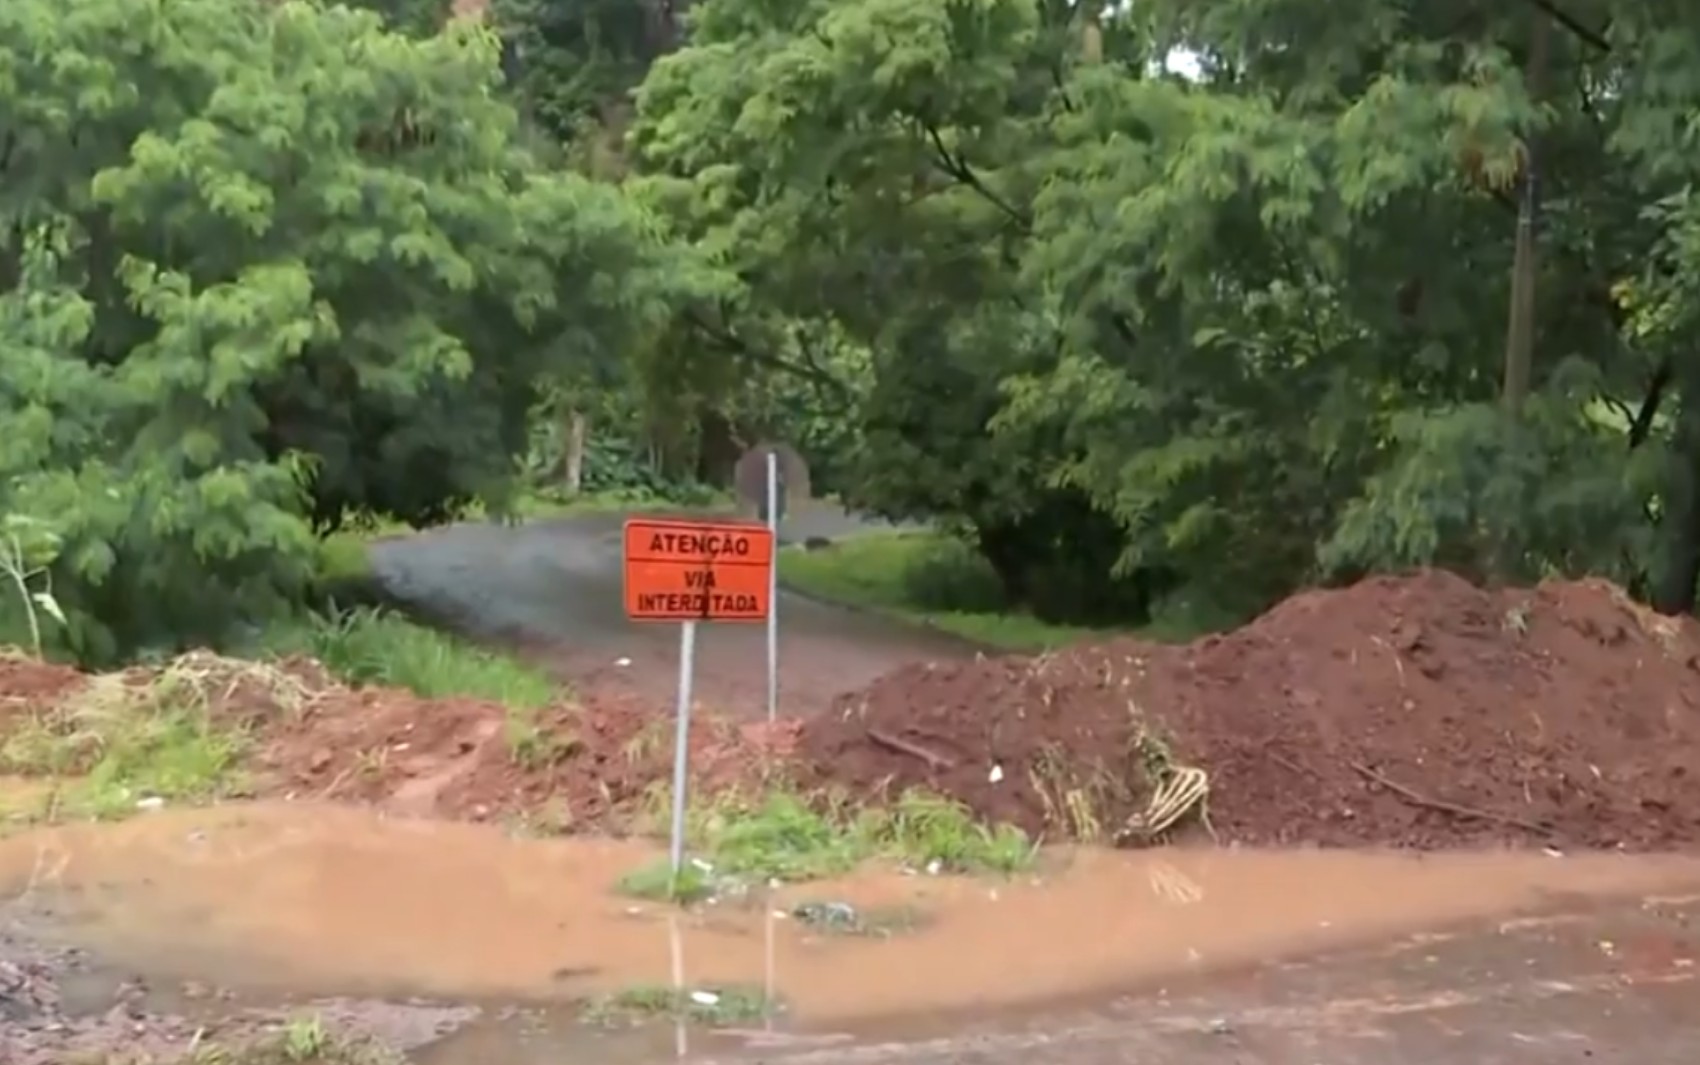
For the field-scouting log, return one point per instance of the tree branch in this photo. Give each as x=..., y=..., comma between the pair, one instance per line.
x=730, y=342
x=956, y=167
x=1642, y=426
x=1593, y=38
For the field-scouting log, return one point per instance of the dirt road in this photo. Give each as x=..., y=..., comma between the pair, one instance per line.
x=555, y=585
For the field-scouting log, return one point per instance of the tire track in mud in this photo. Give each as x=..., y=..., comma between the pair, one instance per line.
x=553, y=587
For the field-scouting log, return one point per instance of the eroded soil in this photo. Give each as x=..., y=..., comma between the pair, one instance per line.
x=585, y=763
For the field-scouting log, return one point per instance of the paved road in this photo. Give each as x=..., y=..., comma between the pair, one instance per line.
x=1605, y=984
x=555, y=585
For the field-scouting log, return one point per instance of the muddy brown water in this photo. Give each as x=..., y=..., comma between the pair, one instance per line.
x=296, y=901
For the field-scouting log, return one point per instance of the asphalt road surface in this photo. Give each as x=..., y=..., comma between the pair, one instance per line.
x=554, y=586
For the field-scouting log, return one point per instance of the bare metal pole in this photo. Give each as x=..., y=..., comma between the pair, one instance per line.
x=682, y=743
x=773, y=588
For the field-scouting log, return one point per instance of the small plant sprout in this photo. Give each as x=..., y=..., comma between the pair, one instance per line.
x=28, y=548
x=305, y=1039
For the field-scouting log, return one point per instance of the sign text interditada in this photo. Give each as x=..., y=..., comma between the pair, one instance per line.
x=701, y=571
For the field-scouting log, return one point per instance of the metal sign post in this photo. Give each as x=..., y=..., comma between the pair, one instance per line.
x=773, y=590
x=692, y=572
x=682, y=743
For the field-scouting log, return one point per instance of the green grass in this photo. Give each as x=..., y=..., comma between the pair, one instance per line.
x=932, y=579
x=716, y=1006
x=925, y=578
x=373, y=646
x=115, y=743
x=657, y=883
x=783, y=836
x=119, y=741
x=304, y=1040
x=539, y=504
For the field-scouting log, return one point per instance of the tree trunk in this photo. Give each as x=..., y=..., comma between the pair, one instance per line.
x=1092, y=33
x=1679, y=569
x=575, y=451
x=1004, y=547
x=1520, y=331
x=718, y=449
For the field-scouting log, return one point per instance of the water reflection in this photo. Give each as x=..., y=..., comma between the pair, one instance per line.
x=687, y=991
x=676, y=944
x=769, y=994
x=298, y=900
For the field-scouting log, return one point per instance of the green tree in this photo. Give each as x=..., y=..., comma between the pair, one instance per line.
x=830, y=154
x=578, y=60
x=263, y=265
x=420, y=18
x=1400, y=289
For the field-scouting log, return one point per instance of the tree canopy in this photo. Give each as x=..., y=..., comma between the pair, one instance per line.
x=265, y=265
x=1162, y=306
x=1228, y=328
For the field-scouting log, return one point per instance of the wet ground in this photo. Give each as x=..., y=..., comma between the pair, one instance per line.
x=1324, y=958
x=1611, y=982
x=555, y=585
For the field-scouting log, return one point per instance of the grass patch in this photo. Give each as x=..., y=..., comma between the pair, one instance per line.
x=343, y=562
x=925, y=578
x=379, y=647
x=783, y=836
x=373, y=646
x=713, y=1007
x=118, y=743
x=302, y=1041
x=932, y=579
x=657, y=883
x=550, y=503
x=305, y=1041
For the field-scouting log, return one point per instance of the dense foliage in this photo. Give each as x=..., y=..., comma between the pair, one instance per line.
x=1161, y=305
x=264, y=265
x=1223, y=330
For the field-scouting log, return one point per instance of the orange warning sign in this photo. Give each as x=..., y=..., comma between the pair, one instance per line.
x=697, y=571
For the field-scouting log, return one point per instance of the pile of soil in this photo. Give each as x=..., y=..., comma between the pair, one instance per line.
x=1416, y=711
x=577, y=764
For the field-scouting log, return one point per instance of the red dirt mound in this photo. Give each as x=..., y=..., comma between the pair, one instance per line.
x=1416, y=711
x=27, y=682
x=573, y=765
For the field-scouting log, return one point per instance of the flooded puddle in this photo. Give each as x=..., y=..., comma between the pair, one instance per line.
x=295, y=901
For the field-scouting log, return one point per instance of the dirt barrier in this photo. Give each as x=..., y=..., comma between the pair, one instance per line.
x=1416, y=711
x=302, y=735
